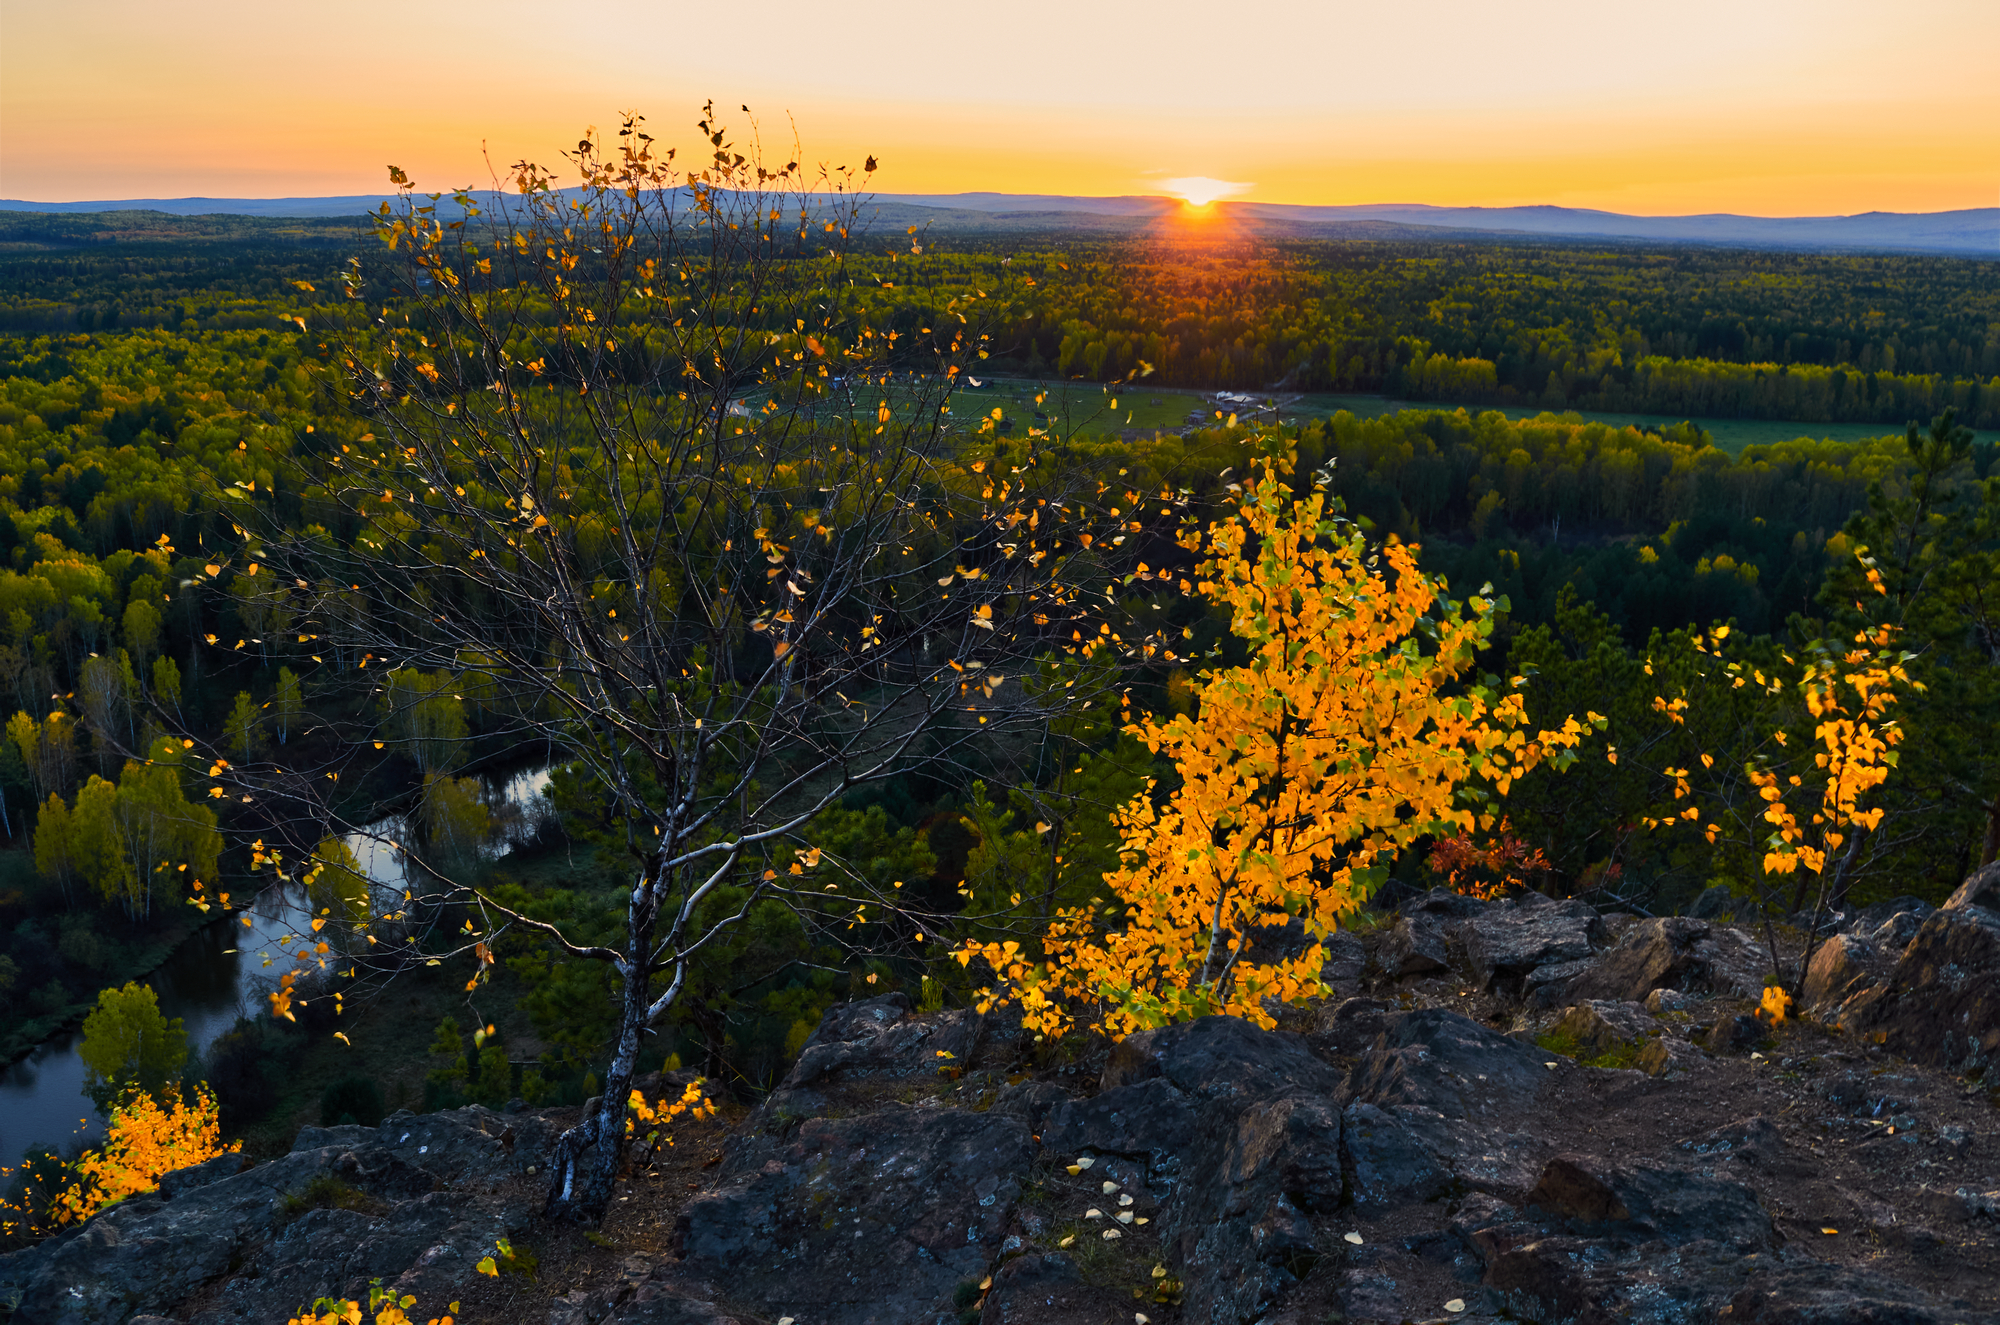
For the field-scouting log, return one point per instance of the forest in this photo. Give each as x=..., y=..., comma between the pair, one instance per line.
x=237, y=619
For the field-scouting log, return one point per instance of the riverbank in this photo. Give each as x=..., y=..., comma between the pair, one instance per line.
x=22, y=1038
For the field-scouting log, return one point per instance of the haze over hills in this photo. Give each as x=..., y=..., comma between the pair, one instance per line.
x=1972, y=232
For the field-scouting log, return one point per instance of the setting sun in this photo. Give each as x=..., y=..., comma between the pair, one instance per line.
x=1200, y=190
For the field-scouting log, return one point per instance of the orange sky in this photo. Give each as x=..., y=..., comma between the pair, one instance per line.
x=1771, y=107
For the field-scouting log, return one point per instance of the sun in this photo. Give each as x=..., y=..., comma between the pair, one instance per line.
x=1200, y=190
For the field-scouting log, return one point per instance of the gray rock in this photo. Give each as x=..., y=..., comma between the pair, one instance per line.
x=1045, y=1288
x=1352, y=1029
x=1386, y=1164
x=1652, y=954
x=872, y=1219
x=1734, y=1033
x=1244, y=1126
x=1894, y=934
x=1414, y=945
x=1505, y=943
x=1981, y=889
x=1669, y=1000
x=1820, y=1294
x=1654, y=1201
x=1871, y=918
x=1729, y=963
x=1444, y=903
x=1452, y=1065
x=1665, y=1055
x=1346, y=960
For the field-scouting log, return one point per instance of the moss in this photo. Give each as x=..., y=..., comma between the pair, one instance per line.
x=326, y=1192
x=1624, y=1054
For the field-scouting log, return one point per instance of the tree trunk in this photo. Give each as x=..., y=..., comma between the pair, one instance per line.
x=580, y=1194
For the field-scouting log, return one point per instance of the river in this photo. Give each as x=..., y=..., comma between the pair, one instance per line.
x=218, y=975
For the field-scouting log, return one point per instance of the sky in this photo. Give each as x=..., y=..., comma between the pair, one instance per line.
x=1763, y=107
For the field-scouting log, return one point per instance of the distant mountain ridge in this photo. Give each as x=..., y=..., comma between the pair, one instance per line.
x=1969, y=232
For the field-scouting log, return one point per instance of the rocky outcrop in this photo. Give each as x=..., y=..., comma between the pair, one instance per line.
x=1653, y=954
x=1981, y=889
x=867, y=1220
x=1942, y=1003
x=876, y=1038
x=410, y=1203
x=1394, y=1160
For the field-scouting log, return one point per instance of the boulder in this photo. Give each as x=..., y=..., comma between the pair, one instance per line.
x=1981, y=889
x=1445, y=903
x=1505, y=943
x=1669, y=1000
x=1664, y=1055
x=1600, y=1026
x=1894, y=934
x=1386, y=1164
x=1871, y=918
x=873, y=1219
x=1729, y=963
x=879, y=1037
x=1414, y=945
x=1942, y=1004
x=1841, y=967
x=1652, y=954
x=1549, y=986
x=1351, y=1029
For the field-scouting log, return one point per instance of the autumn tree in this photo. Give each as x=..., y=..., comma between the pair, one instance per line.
x=1352, y=731
x=1785, y=824
x=643, y=479
x=129, y=1045
x=1926, y=560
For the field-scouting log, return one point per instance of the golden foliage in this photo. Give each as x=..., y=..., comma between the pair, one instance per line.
x=1347, y=736
x=386, y=1306
x=147, y=1139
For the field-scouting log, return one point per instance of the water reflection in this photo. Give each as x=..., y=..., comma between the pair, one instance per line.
x=224, y=972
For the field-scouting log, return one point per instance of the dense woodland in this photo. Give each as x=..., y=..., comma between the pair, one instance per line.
x=154, y=388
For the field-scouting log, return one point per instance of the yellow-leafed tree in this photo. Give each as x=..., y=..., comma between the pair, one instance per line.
x=1350, y=733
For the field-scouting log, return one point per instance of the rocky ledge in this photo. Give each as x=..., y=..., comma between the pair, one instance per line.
x=1521, y=1110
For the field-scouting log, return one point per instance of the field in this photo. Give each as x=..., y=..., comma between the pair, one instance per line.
x=1145, y=408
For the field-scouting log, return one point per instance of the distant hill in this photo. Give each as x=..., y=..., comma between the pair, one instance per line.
x=1971, y=232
